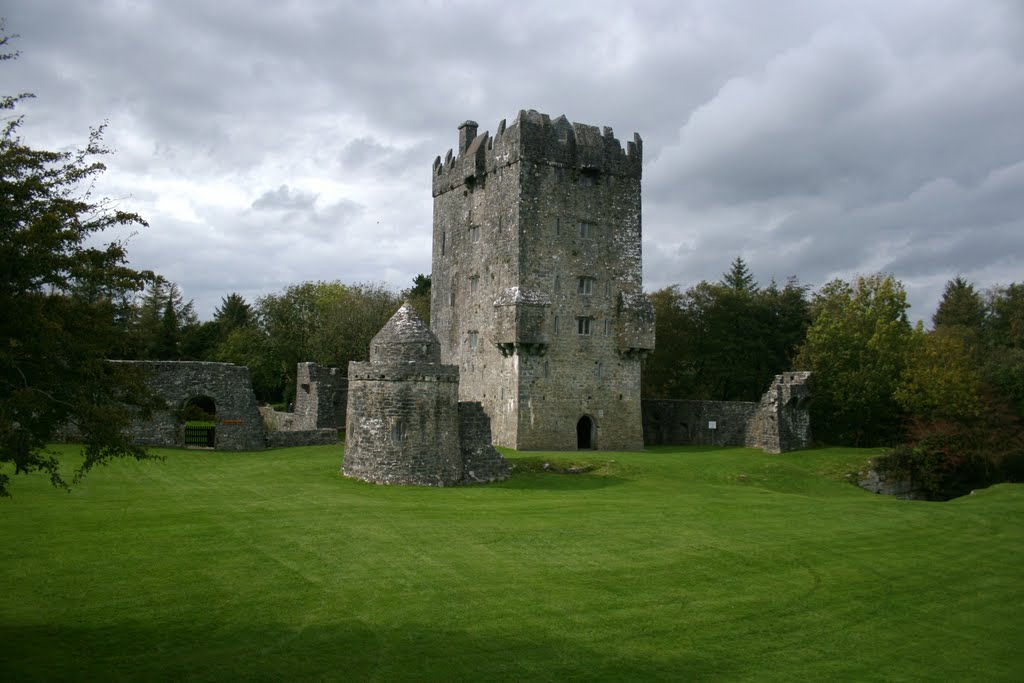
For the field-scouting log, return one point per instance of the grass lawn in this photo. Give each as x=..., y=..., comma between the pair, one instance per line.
x=674, y=564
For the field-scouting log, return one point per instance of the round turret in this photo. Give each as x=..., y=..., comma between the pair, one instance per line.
x=405, y=338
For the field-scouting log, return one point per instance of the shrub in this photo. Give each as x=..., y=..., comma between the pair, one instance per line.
x=948, y=458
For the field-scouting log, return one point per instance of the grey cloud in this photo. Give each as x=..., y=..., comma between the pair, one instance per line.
x=284, y=198
x=817, y=139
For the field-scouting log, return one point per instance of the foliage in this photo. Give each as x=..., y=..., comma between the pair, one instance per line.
x=724, y=341
x=739, y=278
x=947, y=458
x=61, y=306
x=1003, y=345
x=162, y=321
x=329, y=323
x=233, y=313
x=419, y=296
x=960, y=307
x=941, y=380
x=857, y=348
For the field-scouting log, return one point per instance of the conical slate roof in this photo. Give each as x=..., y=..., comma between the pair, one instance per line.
x=405, y=338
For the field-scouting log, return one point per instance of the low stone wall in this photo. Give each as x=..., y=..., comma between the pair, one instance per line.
x=304, y=437
x=277, y=421
x=682, y=422
x=780, y=422
x=899, y=487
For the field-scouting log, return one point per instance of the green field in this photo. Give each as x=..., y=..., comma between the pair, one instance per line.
x=674, y=564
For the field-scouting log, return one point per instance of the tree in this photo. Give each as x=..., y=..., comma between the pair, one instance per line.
x=738, y=278
x=60, y=298
x=857, y=348
x=940, y=380
x=329, y=323
x=232, y=313
x=723, y=342
x=960, y=307
x=1003, y=343
x=162, y=319
x=419, y=296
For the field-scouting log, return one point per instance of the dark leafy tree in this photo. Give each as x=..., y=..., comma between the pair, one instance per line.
x=719, y=342
x=739, y=278
x=61, y=296
x=1003, y=343
x=161, y=320
x=233, y=312
x=961, y=307
x=419, y=296
x=330, y=323
x=857, y=347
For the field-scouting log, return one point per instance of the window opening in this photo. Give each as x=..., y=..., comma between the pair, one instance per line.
x=585, y=285
x=583, y=326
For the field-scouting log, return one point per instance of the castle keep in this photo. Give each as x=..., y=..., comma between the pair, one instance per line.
x=537, y=290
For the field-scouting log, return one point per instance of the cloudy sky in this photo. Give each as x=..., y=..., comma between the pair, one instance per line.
x=268, y=143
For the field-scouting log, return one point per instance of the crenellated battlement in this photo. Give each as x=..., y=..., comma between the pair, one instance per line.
x=539, y=139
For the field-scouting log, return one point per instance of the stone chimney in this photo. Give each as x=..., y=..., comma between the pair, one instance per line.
x=467, y=133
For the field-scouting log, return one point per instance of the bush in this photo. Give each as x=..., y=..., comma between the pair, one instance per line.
x=946, y=458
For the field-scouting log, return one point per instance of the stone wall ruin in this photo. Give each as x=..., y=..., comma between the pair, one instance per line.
x=778, y=423
x=238, y=425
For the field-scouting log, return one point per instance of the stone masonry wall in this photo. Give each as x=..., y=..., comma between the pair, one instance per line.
x=681, y=422
x=481, y=462
x=321, y=395
x=537, y=283
x=780, y=422
x=238, y=426
x=306, y=437
x=403, y=423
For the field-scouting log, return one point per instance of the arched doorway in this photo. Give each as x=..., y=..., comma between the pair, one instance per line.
x=199, y=414
x=585, y=433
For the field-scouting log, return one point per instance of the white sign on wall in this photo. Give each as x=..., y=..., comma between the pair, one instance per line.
x=712, y=424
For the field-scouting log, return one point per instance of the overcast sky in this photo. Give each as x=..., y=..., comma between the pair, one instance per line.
x=269, y=143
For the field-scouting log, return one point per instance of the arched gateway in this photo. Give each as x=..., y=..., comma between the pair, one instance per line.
x=585, y=433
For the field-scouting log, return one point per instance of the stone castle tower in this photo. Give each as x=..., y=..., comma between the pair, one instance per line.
x=537, y=281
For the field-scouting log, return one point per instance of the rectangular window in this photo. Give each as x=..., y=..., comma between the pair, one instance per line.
x=585, y=285
x=558, y=226
x=586, y=229
x=443, y=236
x=608, y=288
x=474, y=284
x=474, y=233
x=607, y=325
x=556, y=324
x=583, y=326
x=472, y=339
